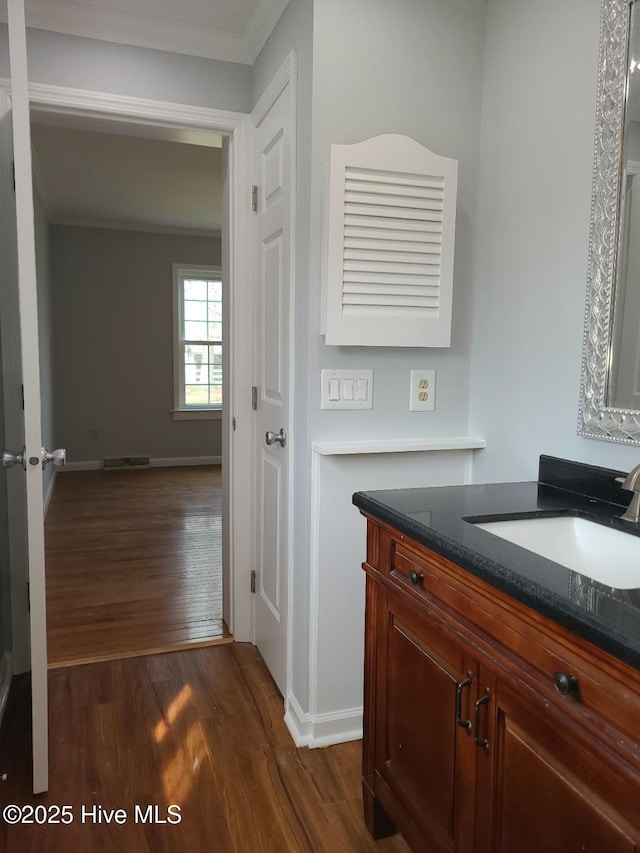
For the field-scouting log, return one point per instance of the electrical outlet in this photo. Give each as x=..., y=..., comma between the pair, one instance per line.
x=422, y=391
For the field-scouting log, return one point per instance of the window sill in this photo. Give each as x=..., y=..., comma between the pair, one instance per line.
x=197, y=414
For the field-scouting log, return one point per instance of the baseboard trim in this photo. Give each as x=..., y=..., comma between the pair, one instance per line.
x=6, y=673
x=318, y=730
x=48, y=494
x=184, y=461
x=95, y=465
x=161, y=462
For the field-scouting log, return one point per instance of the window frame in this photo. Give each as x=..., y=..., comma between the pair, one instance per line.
x=180, y=410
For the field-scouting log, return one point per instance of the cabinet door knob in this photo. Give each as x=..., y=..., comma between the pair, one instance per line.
x=565, y=683
x=416, y=578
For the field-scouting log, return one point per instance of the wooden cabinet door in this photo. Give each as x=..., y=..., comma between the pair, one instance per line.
x=542, y=785
x=423, y=757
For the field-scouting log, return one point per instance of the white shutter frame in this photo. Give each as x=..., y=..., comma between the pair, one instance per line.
x=391, y=234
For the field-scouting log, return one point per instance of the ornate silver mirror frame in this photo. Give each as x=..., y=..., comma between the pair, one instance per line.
x=596, y=419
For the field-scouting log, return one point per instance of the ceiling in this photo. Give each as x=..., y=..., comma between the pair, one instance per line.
x=230, y=30
x=124, y=181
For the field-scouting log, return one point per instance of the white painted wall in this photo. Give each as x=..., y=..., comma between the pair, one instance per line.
x=536, y=163
x=338, y=549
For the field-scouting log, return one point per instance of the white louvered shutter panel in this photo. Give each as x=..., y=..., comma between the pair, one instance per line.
x=391, y=232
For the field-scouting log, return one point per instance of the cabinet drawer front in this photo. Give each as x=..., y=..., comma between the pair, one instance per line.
x=410, y=572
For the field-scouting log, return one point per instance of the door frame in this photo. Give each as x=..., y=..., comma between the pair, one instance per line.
x=97, y=110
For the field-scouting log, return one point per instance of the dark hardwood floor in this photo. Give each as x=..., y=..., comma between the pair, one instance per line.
x=133, y=563
x=200, y=729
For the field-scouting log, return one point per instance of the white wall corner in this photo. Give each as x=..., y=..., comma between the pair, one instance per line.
x=318, y=730
x=262, y=24
x=337, y=545
x=48, y=492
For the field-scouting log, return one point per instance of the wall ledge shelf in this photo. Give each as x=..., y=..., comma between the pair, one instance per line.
x=395, y=445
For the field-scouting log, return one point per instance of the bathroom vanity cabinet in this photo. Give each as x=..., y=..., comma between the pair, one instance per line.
x=489, y=728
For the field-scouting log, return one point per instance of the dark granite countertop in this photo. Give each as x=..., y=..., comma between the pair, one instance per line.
x=439, y=518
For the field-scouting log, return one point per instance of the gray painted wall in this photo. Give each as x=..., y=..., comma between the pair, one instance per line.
x=632, y=141
x=101, y=66
x=536, y=157
x=412, y=67
x=113, y=355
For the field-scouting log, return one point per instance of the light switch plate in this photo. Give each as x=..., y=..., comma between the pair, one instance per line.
x=346, y=389
x=422, y=391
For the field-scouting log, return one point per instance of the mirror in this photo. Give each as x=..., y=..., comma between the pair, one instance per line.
x=610, y=386
x=623, y=389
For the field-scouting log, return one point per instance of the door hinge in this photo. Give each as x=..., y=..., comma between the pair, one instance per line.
x=253, y=580
x=254, y=198
x=22, y=395
x=28, y=597
x=254, y=397
x=13, y=173
x=233, y=424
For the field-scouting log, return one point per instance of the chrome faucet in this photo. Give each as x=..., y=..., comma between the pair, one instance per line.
x=632, y=483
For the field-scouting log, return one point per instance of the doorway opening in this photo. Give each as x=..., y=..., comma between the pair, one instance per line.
x=208, y=484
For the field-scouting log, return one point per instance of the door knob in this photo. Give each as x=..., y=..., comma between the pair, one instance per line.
x=57, y=457
x=10, y=459
x=276, y=437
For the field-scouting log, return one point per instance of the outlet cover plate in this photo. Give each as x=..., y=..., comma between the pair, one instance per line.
x=422, y=391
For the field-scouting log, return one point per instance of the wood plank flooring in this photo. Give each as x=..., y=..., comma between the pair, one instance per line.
x=201, y=729
x=133, y=563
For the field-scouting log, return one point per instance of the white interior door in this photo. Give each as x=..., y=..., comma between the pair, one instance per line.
x=274, y=139
x=22, y=397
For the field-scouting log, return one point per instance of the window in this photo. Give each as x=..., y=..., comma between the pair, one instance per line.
x=197, y=295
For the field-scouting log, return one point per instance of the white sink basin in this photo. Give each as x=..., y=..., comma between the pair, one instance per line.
x=601, y=553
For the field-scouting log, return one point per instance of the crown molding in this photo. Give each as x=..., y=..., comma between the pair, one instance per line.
x=156, y=33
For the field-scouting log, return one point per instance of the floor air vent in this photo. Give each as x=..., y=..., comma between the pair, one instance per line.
x=120, y=462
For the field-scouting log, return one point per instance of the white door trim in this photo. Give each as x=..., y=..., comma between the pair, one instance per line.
x=183, y=117
x=286, y=76
x=65, y=100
